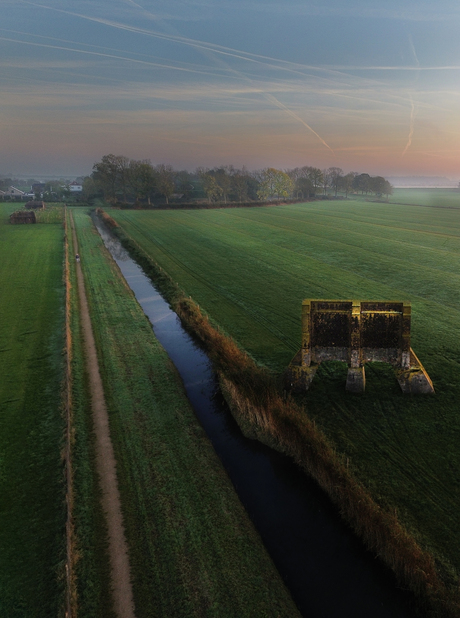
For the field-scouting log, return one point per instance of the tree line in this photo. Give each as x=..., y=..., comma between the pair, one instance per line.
x=120, y=179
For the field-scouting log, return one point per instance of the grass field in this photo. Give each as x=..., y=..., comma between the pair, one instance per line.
x=251, y=268
x=193, y=550
x=445, y=198
x=32, y=509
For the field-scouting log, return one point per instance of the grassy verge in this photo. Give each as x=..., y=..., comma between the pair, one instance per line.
x=89, y=544
x=32, y=427
x=193, y=549
x=399, y=450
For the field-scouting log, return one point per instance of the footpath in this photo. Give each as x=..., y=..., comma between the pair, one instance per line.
x=105, y=463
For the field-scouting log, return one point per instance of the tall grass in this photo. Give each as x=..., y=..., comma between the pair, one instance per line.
x=51, y=214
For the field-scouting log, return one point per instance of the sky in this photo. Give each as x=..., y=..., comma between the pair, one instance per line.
x=362, y=85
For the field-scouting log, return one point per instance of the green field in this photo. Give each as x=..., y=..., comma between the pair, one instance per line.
x=193, y=550
x=445, y=198
x=32, y=488
x=250, y=268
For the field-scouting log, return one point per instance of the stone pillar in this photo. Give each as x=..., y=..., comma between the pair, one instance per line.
x=356, y=379
x=405, y=336
x=306, y=333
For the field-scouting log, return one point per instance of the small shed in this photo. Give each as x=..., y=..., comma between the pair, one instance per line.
x=34, y=204
x=23, y=216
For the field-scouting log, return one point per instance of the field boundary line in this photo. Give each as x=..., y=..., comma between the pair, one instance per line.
x=105, y=462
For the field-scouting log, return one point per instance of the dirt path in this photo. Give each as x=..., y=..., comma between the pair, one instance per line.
x=106, y=465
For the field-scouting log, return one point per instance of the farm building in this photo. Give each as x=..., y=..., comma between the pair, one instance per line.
x=37, y=188
x=13, y=193
x=23, y=216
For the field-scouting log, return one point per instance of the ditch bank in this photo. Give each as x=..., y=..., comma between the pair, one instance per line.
x=256, y=402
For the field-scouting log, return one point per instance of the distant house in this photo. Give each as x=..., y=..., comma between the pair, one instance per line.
x=75, y=187
x=13, y=193
x=37, y=188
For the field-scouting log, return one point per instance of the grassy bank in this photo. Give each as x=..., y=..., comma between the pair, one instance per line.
x=32, y=427
x=89, y=543
x=250, y=269
x=193, y=550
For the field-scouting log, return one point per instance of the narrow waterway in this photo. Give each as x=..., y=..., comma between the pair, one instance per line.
x=326, y=568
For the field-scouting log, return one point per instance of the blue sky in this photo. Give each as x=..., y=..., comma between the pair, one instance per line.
x=357, y=84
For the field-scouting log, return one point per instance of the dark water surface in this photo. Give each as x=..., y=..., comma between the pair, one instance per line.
x=325, y=567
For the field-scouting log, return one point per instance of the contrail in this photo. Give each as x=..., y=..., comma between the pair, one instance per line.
x=411, y=43
x=274, y=100
x=205, y=47
x=411, y=127
x=209, y=52
x=113, y=56
x=285, y=65
x=412, y=106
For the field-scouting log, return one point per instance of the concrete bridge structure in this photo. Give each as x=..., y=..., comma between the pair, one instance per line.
x=357, y=332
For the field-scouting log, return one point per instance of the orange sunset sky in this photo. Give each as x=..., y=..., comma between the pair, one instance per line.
x=365, y=86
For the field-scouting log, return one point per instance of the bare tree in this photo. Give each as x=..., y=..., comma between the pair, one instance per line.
x=165, y=180
x=111, y=176
x=142, y=179
x=335, y=175
x=347, y=182
x=210, y=185
x=240, y=184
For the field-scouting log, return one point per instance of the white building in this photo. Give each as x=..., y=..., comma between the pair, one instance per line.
x=75, y=187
